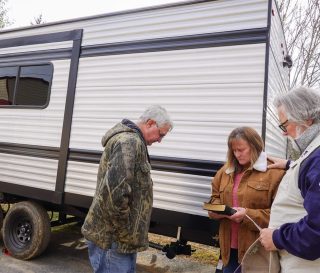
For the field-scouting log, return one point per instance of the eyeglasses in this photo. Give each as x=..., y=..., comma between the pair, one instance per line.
x=161, y=135
x=283, y=127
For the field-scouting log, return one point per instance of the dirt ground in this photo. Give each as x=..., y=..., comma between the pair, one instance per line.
x=67, y=253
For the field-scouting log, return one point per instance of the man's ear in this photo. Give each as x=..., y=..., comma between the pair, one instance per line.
x=150, y=122
x=309, y=122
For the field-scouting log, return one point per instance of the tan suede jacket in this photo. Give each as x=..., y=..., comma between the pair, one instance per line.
x=256, y=192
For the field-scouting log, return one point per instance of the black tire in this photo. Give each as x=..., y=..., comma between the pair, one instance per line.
x=26, y=230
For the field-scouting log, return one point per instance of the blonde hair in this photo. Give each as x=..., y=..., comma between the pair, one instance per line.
x=254, y=140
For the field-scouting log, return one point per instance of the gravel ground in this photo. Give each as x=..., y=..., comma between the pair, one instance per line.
x=67, y=253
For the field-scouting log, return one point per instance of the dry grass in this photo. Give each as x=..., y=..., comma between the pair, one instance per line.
x=203, y=253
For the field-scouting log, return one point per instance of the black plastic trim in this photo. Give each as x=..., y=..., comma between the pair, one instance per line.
x=229, y=38
x=23, y=192
x=251, y=36
x=42, y=39
x=30, y=150
x=266, y=75
x=170, y=164
x=185, y=165
x=77, y=200
x=194, y=228
x=35, y=57
x=68, y=112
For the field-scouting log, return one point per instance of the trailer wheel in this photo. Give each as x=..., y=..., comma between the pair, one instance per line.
x=26, y=230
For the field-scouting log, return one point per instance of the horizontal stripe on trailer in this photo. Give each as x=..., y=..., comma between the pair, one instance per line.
x=163, y=44
x=29, y=150
x=34, y=57
x=21, y=191
x=41, y=39
x=169, y=164
x=229, y=38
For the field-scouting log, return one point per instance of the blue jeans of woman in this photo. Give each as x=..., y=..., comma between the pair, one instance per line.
x=233, y=264
x=110, y=261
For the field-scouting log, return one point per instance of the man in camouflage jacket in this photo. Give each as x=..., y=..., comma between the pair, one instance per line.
x=117, y=224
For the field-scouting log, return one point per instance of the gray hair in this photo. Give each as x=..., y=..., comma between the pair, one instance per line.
x=158, y=114
x=300, y=104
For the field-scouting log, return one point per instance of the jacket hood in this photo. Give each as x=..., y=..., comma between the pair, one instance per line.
x=117, y=129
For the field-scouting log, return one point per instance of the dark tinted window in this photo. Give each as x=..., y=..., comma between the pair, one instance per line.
x=30, y=88
x=8, y=77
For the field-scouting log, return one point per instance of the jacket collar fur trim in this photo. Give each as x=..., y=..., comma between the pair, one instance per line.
x=260, y=165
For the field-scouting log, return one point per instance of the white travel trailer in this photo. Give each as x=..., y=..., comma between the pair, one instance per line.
x=214, y=65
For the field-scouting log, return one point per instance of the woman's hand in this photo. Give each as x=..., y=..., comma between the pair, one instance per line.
x=278, y=163
x=215, y=216
x=239, y=215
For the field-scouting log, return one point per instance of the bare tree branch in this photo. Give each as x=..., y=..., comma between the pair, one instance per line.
x=301, y=21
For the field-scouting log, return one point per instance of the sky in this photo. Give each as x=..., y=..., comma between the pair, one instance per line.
x=23, y=12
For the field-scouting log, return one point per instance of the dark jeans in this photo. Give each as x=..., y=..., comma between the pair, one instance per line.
x=233, y=264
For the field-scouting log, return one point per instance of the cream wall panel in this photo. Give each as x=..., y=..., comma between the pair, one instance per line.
x=207, y=91
x=172, y=191
x=278, y=83
x=28, y=171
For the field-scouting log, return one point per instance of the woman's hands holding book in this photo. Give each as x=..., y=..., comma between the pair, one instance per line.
x=239, y=215
x=216, y=216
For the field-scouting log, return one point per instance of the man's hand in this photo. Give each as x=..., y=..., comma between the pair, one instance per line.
x=266, y=239
x=278, y=163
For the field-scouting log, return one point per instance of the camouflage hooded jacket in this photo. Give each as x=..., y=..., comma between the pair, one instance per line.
x=121, y=208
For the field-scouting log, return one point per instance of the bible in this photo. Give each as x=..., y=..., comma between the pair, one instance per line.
x=220, y=209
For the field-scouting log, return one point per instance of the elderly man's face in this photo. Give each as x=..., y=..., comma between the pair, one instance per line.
x=153, y=133
x=290, y=128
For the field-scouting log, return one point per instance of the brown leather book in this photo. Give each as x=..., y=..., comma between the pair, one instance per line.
x=220, y=209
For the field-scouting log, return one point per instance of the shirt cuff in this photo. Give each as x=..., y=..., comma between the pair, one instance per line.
x=288, y=164
x=275, y=238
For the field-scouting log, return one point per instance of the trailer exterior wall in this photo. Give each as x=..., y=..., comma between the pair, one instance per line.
x=205, y=61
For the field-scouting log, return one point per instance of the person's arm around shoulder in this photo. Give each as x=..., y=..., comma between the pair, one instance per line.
x=279, y=163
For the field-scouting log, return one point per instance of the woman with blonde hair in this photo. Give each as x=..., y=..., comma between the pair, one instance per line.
x=246, y=184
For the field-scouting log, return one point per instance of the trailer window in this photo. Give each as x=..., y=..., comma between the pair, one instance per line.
x=25, y=85
x=8, y=77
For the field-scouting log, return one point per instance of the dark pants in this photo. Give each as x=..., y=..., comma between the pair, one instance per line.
x=233, y=264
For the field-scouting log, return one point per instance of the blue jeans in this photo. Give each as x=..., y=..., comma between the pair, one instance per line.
x=233, y=264
x=110, y=261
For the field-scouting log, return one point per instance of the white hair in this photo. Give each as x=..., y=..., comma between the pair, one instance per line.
x=158, y=114
x=301, y=104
